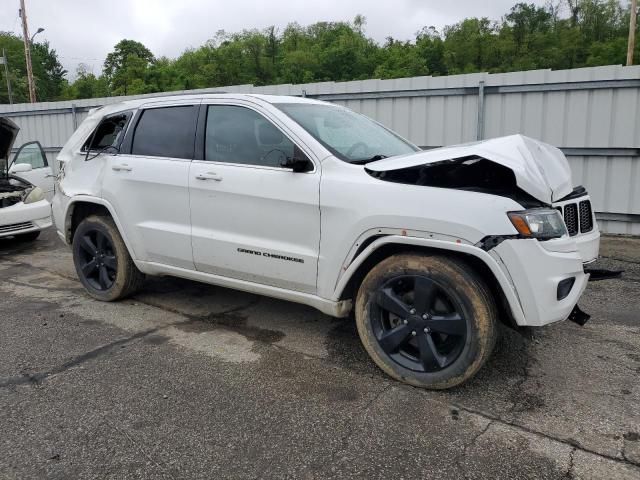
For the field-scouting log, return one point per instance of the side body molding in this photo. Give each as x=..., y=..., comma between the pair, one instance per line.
x=502, y=278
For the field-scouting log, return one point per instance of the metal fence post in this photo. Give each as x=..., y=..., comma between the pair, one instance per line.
x=74, y=116
x=480, y=122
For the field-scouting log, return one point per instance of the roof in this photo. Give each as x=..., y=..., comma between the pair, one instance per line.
x=130, y=104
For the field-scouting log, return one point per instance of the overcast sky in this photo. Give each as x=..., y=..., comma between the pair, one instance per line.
x=84, y=31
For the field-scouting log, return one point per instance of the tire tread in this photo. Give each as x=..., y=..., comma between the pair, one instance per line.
x=133, y=278
x=461, y=370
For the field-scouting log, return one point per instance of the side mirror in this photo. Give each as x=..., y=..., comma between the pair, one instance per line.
x=20, y=168
x=297, y=164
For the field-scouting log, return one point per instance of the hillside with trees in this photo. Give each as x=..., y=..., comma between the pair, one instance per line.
x=562, y=34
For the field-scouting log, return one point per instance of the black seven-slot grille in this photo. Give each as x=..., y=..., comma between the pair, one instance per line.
x=586, y=216
x=578, y=217
x=571, y=218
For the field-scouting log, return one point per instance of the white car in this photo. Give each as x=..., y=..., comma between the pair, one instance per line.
x=310, y=202
x=26, y=186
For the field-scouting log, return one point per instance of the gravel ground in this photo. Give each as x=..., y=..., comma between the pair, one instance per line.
x=187, y=380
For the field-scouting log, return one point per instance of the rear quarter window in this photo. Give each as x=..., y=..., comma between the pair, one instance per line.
x=108, y=133
x=166, y=132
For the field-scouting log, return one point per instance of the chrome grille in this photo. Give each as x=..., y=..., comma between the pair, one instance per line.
x=586, y=216
x=571, y=218
x=15, y=227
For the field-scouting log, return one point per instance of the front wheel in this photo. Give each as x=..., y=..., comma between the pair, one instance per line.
x=102, y=261
x=429, y=321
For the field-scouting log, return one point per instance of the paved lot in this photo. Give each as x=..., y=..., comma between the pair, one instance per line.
x=193, y=381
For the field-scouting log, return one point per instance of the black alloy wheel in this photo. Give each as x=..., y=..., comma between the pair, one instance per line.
x=98, y=264
x=418, y=323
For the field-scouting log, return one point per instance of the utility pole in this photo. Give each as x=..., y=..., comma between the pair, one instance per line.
x=27, y=53
x=632, y=31
x=6, y=73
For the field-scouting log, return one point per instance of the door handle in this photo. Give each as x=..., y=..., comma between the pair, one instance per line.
x=121, y=167
x=209, y=176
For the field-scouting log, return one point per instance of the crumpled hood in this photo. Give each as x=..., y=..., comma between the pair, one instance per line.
x=540, y=169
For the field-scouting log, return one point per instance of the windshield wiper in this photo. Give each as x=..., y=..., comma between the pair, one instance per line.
x=364, y=161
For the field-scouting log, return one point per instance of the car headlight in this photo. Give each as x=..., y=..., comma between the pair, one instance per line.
x=35, y=195
x=541, y=223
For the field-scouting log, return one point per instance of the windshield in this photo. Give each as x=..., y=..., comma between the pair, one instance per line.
x=350, y=136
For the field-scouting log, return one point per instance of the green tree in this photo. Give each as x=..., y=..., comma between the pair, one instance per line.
x=400, y=59
x=86, y=85
x=48, y=73
x=125, y=67
x=561, y=34
x=471, y=46
x=431, y=47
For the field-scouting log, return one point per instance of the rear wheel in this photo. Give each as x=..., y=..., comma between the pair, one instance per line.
x=429, y=321
x=102, y=261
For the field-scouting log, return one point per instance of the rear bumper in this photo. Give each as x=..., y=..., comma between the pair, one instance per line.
x=25, y=218
x=536, y=271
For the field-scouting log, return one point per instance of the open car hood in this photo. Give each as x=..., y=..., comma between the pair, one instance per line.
x=8, y=133
x=540, y=169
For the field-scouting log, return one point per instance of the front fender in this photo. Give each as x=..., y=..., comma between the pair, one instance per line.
x=492, y=263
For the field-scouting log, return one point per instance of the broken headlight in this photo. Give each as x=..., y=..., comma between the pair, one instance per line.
x=540, y=223
x=35, y=195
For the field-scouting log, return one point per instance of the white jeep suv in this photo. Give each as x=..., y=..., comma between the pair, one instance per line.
x=310, y=202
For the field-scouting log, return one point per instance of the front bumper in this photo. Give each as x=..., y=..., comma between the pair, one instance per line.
x=589, y=245
x=24, y=218
x=536, y=269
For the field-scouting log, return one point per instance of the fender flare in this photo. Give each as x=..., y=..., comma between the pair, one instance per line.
x=102, y=202
x=501, y=276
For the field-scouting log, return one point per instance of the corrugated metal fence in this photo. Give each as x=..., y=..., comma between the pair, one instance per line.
x=593, y=114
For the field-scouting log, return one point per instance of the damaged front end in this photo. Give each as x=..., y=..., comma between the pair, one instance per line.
x=509, y=166
x=14, y=190
x=532, y=173
x=542, y=257
x=472, y=173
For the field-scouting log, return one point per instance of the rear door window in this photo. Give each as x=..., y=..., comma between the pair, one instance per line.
x=166, y=132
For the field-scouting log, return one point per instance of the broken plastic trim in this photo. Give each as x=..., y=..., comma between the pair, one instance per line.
x=578, y=316
x=577, y=192
x=491, y=241
x=597, y=274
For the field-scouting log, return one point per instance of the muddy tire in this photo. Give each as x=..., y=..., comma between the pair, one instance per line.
x=426, y=320
x=102, y=261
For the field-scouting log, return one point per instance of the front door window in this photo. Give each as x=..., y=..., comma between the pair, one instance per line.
x=31, y=153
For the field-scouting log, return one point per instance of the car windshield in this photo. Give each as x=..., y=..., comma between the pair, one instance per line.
x=350, y=136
